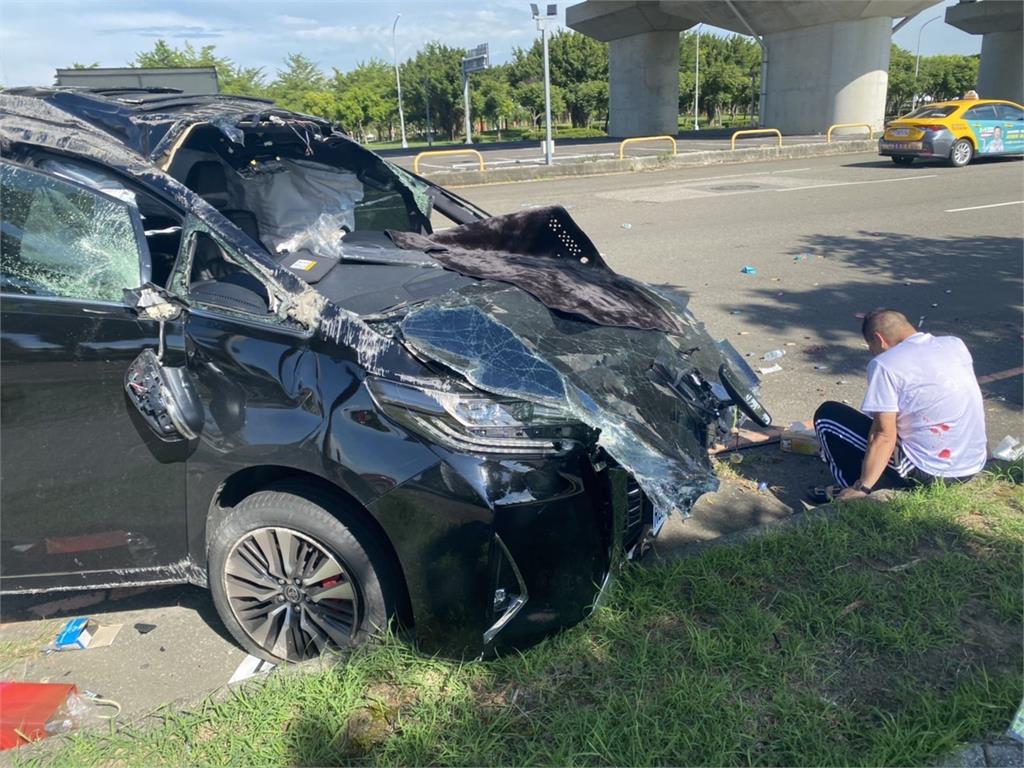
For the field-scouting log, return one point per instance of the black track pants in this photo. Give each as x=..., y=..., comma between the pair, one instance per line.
x=843, y=435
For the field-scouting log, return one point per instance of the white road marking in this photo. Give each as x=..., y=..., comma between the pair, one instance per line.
x=853, y=183
x=979, y=207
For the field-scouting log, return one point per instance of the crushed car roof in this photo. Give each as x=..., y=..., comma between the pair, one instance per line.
x=150, y=121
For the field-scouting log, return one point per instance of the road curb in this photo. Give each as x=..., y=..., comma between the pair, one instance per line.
x=660, y=162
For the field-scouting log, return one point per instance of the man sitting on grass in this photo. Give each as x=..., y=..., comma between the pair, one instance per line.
x=922, y=419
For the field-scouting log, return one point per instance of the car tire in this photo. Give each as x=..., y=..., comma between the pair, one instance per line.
x=961, y=153
x=290, y=580
x=903, y=159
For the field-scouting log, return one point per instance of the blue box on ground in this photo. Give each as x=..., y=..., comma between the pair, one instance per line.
x=75, y=635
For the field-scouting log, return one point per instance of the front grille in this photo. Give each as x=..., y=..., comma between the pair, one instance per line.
x=634, y=522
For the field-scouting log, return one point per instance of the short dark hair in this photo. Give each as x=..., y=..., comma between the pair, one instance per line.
x=885, y=321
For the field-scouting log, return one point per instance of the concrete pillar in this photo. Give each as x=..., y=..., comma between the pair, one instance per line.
x=826, y=74
x=1001, y=73
x=999, y=22
x=643, y=84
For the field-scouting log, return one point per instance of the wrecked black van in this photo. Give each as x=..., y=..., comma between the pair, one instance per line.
x=237, y=353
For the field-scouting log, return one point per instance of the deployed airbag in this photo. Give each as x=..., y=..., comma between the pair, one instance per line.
x=544, y=252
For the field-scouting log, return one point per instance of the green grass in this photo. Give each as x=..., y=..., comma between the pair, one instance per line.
x=878, y=635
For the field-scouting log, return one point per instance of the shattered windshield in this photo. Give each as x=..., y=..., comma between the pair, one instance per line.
x=617, y=380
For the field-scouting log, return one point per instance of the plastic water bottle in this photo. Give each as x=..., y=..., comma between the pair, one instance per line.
x=775, y=354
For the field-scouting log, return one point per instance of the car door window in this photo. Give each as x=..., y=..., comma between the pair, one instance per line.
x=1007, y=112
x=981, y=112
x=60, y=239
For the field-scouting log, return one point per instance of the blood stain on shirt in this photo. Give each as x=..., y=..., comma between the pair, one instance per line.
x=944, y=427
x=945, y=453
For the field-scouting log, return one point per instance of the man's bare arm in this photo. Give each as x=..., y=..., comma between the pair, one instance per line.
x=881, y=443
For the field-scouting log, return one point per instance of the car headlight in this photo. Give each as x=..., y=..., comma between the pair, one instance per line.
x=470, y=421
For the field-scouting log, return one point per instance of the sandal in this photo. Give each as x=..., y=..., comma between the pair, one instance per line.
x=822, y=494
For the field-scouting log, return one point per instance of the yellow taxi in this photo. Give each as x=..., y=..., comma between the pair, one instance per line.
x=955, y=131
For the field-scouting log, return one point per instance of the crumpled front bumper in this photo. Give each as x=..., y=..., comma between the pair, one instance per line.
x=509, y=551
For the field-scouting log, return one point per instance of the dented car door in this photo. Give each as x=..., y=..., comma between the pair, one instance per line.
x=89, y=494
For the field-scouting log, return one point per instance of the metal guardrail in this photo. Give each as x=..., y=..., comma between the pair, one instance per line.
x=755, y=132
x=436, y=152
x=871, y=131
x=622, y=146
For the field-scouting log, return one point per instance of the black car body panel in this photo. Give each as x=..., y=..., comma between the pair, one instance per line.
x=498, y=540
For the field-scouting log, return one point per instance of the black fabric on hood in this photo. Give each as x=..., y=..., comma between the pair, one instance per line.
x=544, y=252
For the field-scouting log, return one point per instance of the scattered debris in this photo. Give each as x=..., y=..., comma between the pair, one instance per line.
x=842, y=382
x=775, y=354
x=144, y=629
x=920, y=321
x=81, y=633
x=821, y=367
x=744, y=333
x=1009, y=449
x=790, y=343
x=772, y=369
x=748, y=270
x=948, y=290
x=250, y=667
x=802, y=257
x=762, y=487
x=735, y=311
x=627, y=226
x=854, y=606
x=934, y=305
x=735, y=458
x=900, y=567
x=800, y=438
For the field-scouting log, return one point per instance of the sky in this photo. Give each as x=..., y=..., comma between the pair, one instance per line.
x=37, y=36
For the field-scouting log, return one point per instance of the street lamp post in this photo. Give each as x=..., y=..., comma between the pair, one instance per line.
x=917, y=64
x=696, y=85
x=542, y=24
x=398, y=81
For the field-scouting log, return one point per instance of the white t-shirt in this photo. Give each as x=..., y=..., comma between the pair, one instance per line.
x=929, y=382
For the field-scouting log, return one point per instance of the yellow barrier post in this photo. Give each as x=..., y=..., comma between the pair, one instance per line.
x=622, y=146
x=755, y=132
x=437, y=152
x=871, y=131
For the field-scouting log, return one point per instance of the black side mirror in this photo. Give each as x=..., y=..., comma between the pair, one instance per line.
x=742, y=397
x=165, y=396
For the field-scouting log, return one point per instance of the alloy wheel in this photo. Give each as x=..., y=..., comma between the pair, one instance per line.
x=961, y=153
x=290, y=593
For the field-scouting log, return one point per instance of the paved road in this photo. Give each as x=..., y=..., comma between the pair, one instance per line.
x=531, y=153
x=830, y=237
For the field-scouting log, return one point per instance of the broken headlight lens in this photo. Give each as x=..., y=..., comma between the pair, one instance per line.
x=470, y=421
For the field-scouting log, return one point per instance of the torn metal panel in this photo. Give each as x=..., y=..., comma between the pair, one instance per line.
x=506, y=342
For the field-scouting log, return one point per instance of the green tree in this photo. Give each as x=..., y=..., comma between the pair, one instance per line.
x=900, y=94
x=79, y=65
x=948, y=77
x=574, y=59
x=299, y=76
x=231, y=78
x=530, y=97
x=434, y=75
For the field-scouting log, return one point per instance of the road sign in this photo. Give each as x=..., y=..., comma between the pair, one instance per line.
x=476, y=59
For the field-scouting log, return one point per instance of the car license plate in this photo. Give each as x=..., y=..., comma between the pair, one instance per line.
x=897, y=145
x=900, y=131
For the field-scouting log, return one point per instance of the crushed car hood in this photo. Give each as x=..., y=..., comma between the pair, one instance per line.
x=504, y=341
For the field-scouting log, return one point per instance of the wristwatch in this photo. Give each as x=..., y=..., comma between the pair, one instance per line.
x=859, y=486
